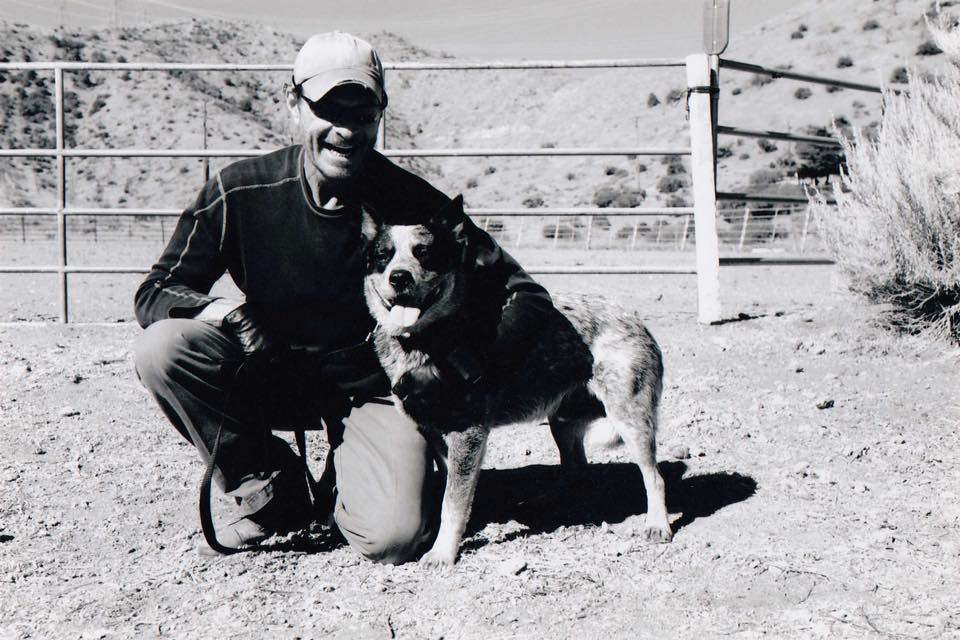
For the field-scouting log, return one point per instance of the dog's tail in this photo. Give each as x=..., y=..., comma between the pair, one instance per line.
x=603, y=435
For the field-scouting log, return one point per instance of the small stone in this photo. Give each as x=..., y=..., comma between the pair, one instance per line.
x=679, y=452
x=796, y=367
x=77, y=378
x=826, y=403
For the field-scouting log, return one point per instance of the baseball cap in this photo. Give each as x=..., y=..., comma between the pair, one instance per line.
x=328, y=60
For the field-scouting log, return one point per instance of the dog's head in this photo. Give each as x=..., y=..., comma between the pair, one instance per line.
x=413, y=271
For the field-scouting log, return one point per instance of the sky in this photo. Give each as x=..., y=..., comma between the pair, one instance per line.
x=479, y=29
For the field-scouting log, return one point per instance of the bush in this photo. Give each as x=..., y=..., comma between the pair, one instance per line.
x=870, y=25
x=896, y=228
x=670, y=184
x=612, y=196
x=724, y=152
x=766, y=145
x=796, y=35
x=899, y=76
x=928, y=48
x=674, y=165
x=802, y=93
x=844, y=61
x=652, y=100
x=533, y=202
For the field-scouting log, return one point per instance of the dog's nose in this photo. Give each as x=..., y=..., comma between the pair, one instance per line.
x=400, y=279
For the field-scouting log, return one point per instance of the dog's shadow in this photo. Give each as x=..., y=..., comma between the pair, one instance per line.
x=542, y=499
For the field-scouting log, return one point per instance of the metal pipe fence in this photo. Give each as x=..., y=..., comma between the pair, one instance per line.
x=699, y=225
x=61, y=211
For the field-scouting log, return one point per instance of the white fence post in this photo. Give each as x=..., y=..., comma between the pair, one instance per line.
x=701, y=83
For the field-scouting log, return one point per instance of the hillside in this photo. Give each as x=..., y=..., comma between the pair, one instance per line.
x=861, y=41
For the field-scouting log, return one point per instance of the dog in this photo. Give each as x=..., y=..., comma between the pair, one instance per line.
x=591, y=360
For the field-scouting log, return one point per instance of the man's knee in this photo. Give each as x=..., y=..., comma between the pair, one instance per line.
x=395, y=541
x=164, y=347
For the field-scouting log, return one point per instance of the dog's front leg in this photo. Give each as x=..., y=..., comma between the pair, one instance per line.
x=465, y=451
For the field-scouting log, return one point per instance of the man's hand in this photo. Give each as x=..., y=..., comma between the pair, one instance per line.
x=243, y=325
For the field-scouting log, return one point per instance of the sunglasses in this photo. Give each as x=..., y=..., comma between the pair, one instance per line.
x=330, y=111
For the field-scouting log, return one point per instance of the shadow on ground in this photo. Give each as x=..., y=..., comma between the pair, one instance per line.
x=539, y=496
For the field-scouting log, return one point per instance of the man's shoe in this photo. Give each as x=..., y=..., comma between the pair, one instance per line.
x=290, y=509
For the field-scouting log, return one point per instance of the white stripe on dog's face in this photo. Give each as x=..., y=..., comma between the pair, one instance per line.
x=401, y=264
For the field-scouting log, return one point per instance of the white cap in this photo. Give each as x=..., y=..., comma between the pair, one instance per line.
x=328, y=60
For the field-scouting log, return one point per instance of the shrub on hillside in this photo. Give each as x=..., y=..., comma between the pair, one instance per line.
x=533, y=202
x=670, y=184
x=928, y=48
x=676, y=95
x=766, y=145
x=870, y=25
x=899, y=76
x=844, y=61
x=615, y=196
x=896, y=228
x=796, y=35
x=652, y=100
x=802, y=93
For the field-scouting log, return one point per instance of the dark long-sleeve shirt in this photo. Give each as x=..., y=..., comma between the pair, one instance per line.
x=302, y=266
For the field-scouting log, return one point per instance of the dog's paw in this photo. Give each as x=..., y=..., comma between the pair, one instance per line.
x=436, y=559
x=658, y=533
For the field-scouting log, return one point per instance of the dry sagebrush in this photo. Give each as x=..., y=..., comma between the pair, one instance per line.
x=896, y=228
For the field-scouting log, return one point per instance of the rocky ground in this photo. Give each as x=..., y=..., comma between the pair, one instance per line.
x=808, y=463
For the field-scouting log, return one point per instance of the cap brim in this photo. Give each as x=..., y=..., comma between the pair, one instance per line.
x=319, y=85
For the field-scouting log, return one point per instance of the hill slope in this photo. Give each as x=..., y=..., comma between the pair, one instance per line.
x=862, y=41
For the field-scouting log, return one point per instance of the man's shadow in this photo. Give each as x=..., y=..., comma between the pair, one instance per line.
x=541, y=498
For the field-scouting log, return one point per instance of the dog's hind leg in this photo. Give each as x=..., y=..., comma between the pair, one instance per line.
x=568, y=433
x=465, y=451
x=640, y=439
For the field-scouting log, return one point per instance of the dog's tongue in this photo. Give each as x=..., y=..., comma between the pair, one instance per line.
x=403, y=316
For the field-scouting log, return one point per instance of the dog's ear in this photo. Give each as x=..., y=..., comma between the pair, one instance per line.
x=368, y=222
x=451, y=215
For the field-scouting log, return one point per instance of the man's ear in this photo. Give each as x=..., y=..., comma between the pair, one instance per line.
x=451, y=215
x=292, y=100
x=368, y=222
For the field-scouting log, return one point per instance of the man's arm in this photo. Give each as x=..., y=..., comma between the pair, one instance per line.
x=178, y=284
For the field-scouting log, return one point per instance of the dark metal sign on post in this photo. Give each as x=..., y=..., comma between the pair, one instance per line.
x=716, y=26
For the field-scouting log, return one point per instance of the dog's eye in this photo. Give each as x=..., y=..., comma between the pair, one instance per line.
x=421, y=253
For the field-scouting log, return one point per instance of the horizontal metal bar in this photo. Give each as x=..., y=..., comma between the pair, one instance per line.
x=778, y=135
x=583, y=211
x=780, y=73
x=71, y=269
x=551, y=269
x=390, y=153
x=136, y=153
x=759, y=197
x=752, y=261
x=438, y=153
x=398, y=66
x=508, y=211
x=600, y=270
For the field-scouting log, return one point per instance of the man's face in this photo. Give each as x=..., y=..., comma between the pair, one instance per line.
x=338, y=130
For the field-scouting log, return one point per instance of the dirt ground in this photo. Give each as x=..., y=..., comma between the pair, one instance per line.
x=808, y=463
